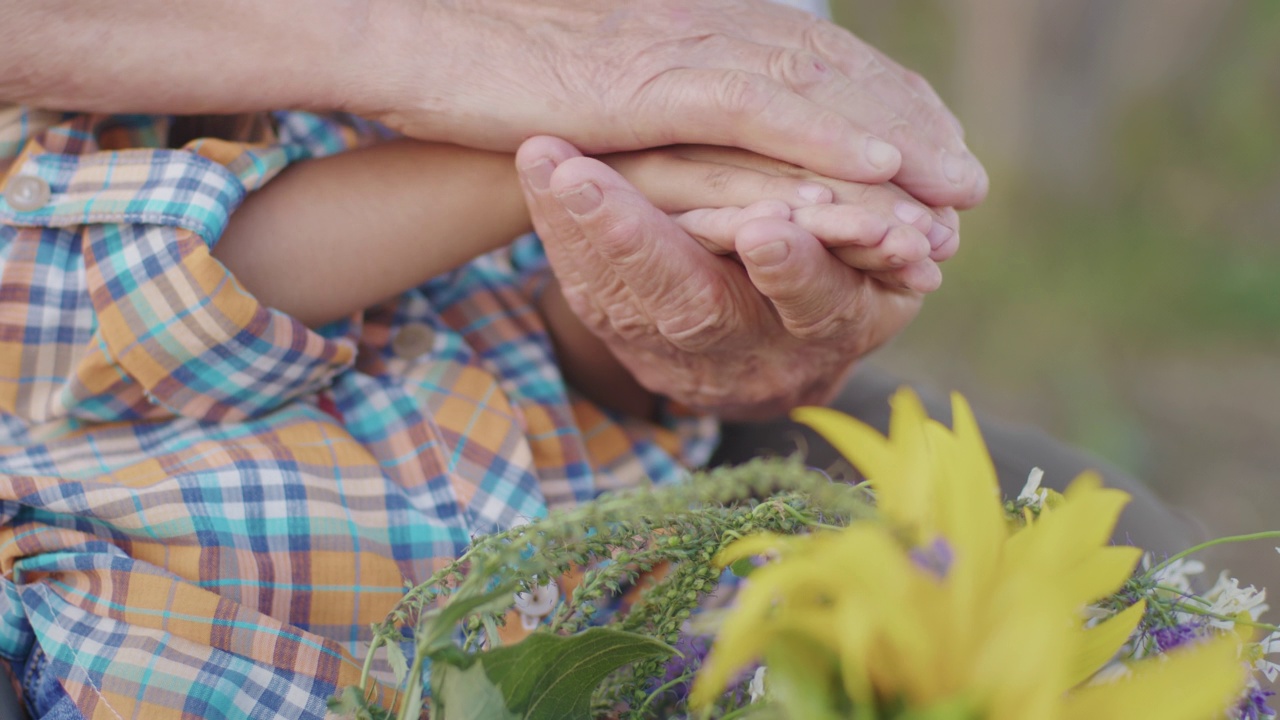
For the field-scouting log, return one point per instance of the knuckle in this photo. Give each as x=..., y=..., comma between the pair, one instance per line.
x=870, y=65
x=629, y=323
x=799, y=69
x=699, y=318
x=917, y=82
x=744, y=94
x=899, y=132
x=826, y=38
x=818, y=321
x=617, y=241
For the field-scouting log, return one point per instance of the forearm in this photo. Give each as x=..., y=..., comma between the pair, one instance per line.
x=333, y=236
x=188, y=56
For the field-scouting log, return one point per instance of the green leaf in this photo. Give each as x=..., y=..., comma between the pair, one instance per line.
x=353, y=704
x=436, y=627
x=459, y=693
x=396, y=659
x=550, y=677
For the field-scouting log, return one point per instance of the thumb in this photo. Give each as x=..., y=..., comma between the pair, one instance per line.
x=536, y=160
x=693, y=298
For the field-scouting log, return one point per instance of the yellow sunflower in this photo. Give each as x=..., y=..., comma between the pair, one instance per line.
x=942, y=609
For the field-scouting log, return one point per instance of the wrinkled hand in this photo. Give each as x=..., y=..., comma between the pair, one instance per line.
x=878, y=229
x=616, y=75
x=744, y=341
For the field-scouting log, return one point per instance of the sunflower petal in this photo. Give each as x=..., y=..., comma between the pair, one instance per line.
x=1192, y=683
x=1100, y=643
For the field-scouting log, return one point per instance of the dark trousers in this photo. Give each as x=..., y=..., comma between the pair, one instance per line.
x=1147, y=522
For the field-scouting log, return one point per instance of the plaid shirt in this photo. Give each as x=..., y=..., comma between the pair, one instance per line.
x=203, y=503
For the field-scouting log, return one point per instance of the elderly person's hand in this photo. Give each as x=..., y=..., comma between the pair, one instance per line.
x=607, y=75
x=743, y=340
x=618, y=75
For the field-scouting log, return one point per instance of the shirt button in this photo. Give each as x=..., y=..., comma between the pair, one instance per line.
x=25, y=193
x=413, y=340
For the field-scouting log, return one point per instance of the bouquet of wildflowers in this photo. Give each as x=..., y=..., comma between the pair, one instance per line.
x=918, y=595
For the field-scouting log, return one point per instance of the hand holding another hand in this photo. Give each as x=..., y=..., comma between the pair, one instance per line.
x=712, y=191
x=743, y=340
x=615, y=75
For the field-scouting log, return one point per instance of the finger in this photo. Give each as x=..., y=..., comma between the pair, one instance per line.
x=884, y=200
x=815, y=295
x=922, y=277
x=536, y=160
x=866, y=220
x=580, y=271
x=900, y=247
x=944, y=236
x=917, y=83
x=677, y=287
x=676, y=184
x=884, y=99
x=887, y=78
x=758, y=113
x=716, y=228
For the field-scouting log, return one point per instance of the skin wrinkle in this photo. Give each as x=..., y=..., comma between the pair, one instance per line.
x=489, y=73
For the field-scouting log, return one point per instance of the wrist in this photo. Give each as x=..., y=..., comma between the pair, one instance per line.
x=352, y=60
x=401, y=74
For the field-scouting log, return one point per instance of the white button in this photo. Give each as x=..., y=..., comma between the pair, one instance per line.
x=25, y=193
x=540, y=601
x=413, y=340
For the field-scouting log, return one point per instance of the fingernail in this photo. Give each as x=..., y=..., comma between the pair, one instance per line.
x=814, y=193
x=908, y=213
x=582, y=199
x=939, y=234
x=769, y=254
x=895, y=261
x=880, y=154
x=954, y=168
x=539, y=174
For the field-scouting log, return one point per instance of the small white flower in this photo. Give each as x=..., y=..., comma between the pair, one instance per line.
x=1228, y=598
x=756, y=688
x=537, y=604
x=1032, y=494
x=1268, y=645
x=1177, y=574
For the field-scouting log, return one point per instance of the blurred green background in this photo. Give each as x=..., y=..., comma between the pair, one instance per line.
x=1121, y=286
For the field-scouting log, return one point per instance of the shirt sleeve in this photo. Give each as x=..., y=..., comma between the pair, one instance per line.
x=170, y=330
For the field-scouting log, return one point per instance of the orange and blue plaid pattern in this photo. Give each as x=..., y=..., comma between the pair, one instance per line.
x=203, y=503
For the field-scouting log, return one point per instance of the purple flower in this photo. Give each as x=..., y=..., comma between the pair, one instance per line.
x=935, y=557
x=1168, y=638
x=1254, y=705
x=693, y=651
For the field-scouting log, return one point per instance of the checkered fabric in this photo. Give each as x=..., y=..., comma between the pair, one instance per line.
x=203, y=503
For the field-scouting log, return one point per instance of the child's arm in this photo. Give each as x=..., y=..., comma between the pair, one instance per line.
x=332, y=236
x=335, y=235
